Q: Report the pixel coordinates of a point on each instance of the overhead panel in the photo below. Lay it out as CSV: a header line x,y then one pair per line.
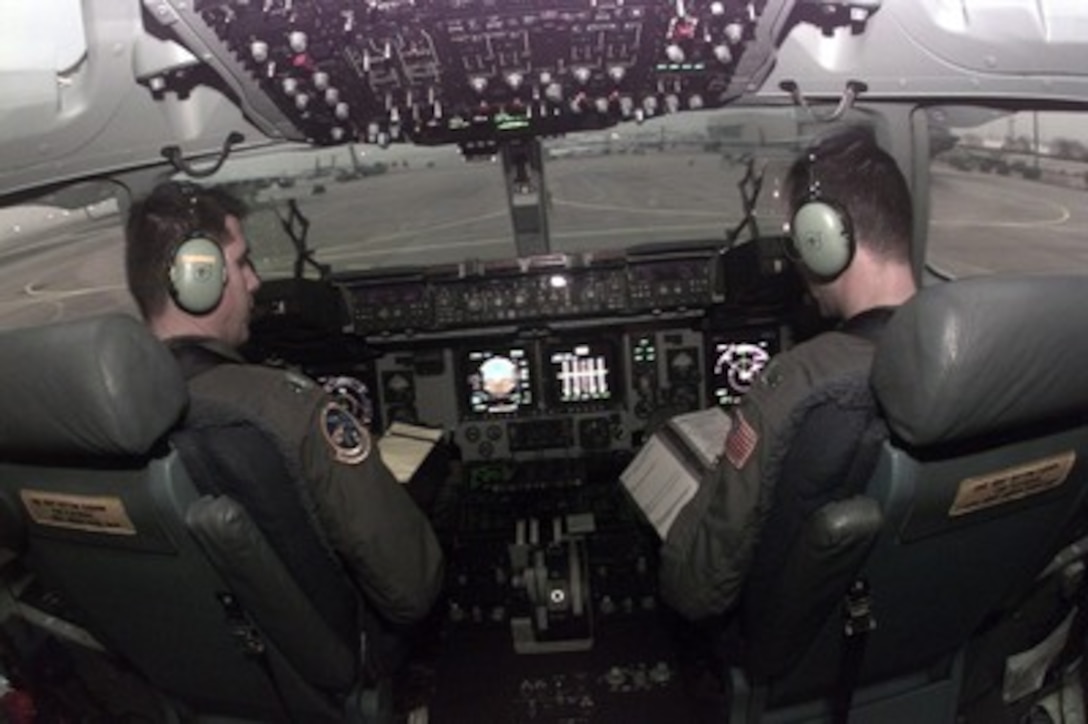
x,y
471,71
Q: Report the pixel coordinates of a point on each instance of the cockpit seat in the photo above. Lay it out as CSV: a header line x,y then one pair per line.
x,y
979,485
97,504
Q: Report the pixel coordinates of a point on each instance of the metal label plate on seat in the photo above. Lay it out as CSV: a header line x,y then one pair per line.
x,y
91,513
1005,486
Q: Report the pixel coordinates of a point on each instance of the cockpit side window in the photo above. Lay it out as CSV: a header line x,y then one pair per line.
x,y
1008,191
61,262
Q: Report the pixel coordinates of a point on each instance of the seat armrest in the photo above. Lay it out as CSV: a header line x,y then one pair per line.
x,y
823,562
270,594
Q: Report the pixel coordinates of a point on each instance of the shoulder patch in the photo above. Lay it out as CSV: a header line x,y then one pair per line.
x,y
741,441
347,438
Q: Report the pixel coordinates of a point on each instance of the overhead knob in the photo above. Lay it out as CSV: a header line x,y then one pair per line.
x,y
298,41
259,50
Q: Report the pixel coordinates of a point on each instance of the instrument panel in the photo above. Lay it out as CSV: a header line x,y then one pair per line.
x,y
580,392
551,356
545,289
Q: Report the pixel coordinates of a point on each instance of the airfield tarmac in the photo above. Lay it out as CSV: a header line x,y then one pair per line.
x,y
979,223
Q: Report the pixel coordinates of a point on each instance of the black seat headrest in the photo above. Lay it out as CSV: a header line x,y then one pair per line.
x,y
984,356
99,386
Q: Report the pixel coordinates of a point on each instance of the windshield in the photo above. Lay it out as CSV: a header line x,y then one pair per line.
x,y
672,180
1005,192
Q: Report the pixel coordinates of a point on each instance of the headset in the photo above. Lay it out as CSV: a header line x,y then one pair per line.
x,y
821,233
197,272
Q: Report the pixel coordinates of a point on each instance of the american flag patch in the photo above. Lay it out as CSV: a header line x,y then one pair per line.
x,y
741,441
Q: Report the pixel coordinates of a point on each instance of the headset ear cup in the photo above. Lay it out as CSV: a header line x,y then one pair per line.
x,y
823,239
198,273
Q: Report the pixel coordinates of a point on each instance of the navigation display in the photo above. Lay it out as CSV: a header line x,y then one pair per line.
x,y
736,359
581,372
499,380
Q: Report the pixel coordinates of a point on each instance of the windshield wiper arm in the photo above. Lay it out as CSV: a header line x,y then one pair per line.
x,y
297,228
750,187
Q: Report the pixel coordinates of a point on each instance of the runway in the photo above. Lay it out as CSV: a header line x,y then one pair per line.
x,y
72,272
982,223
448,212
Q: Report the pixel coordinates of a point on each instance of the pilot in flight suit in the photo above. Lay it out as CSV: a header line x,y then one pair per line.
x,y
807,432
817,392
300,463
383,539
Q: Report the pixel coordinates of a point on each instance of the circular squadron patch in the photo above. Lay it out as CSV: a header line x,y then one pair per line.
x,y
349,440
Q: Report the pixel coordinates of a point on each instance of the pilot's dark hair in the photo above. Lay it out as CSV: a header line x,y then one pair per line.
x,y
855,173
156,225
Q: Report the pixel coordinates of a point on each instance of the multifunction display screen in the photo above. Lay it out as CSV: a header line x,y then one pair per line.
x,y
498,380
581,372
736,359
